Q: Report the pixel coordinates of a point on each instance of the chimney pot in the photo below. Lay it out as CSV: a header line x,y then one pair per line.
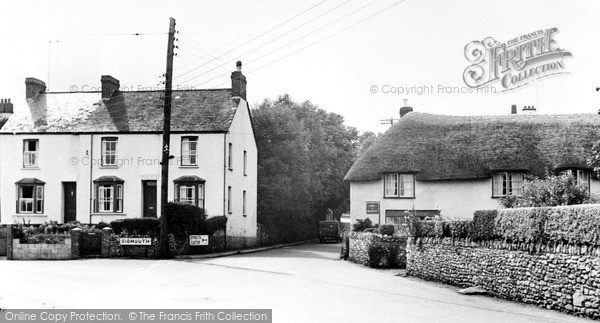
x,y
238,82
405,109
6,106
33,87
513,109
109,85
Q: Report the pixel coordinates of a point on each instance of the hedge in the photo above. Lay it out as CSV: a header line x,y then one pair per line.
x,y
573,224
482,227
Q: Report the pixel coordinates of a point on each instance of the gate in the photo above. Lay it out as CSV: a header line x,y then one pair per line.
x,y
92,245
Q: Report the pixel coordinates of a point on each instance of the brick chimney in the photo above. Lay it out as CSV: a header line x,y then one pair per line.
x,y
109,85
405,109
238,83
513,109
6,106
33,87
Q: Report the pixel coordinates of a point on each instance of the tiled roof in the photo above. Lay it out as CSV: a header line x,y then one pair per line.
x,y
81,112
440,147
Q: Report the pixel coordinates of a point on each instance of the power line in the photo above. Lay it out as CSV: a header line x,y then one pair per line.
x,y
288,20
314,31
285,34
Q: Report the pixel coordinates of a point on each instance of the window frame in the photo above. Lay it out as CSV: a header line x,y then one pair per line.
x,y
399,185
199,192
36,207
508,179
29,153
230,157
116,200
104,153
577,174
189,140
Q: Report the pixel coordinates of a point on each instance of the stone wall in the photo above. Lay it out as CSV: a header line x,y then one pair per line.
x,y
41,251
361,242
559,277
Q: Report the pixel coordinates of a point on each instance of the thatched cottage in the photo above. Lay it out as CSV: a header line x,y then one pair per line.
x,y
431,164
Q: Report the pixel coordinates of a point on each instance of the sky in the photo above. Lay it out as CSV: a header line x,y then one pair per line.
x,y
359,59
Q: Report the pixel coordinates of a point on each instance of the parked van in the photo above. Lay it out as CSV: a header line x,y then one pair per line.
x,y
330,231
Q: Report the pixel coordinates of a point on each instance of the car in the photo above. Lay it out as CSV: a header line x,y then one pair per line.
x,y
330,231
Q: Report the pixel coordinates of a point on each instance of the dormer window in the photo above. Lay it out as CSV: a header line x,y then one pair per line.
x,y
507,183
399,185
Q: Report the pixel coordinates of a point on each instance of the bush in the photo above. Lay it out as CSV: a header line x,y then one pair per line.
x,y
459,228
375,253
483,225
102,225
551,191
215,224
522,225
361,225
423,229
142,226
117,226
387,229
184,219
576,225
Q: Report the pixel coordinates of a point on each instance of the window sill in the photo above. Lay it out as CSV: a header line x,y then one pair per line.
x,y
108,166
189,166
108,214
400,197
231,169
30,168
39,215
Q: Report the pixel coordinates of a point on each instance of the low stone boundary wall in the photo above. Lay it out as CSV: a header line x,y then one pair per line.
x,y
41,251
362,242
559,277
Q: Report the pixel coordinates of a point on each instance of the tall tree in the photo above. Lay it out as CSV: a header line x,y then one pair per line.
x,y
304,153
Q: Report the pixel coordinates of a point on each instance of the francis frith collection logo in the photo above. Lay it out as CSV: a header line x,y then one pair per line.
x,y
514,63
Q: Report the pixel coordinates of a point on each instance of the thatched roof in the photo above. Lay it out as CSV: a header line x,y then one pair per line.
x,y
442,147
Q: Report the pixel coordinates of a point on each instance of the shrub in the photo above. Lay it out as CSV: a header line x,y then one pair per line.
x,y
423,229
142,226
459,228
102,225
576,225
117,226
554,190
483,225
216,223
375,253
522,225
387,229
184,219
361,225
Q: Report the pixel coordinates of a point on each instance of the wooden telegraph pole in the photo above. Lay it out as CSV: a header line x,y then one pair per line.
x,y
166,154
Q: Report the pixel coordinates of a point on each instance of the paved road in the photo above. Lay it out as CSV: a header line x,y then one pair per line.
x,y
306,283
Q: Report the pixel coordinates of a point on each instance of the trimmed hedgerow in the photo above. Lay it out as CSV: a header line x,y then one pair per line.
x,y
216,223
573,224
142,226
521,225
483,225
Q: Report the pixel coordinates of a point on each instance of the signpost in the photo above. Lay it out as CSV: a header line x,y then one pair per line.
x,y
135,241
199,240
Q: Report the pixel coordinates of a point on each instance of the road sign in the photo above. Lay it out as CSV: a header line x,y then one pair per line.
x,y
135,241
199,240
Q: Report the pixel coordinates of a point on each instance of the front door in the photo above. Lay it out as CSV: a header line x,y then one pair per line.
x,y
70,202
149,193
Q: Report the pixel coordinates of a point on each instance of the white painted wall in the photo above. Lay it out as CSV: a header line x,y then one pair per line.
x,y
455,199
241,136
71,158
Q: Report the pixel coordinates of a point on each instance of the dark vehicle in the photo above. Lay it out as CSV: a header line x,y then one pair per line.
x,y
330,231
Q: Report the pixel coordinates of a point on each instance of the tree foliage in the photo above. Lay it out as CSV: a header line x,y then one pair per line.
x,y
554,190
304,153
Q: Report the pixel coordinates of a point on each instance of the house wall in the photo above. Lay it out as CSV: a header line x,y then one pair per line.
x,y
455,199
70,158
241,135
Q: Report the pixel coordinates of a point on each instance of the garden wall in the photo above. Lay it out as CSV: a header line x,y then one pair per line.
x,y
552,275
41,251
376,250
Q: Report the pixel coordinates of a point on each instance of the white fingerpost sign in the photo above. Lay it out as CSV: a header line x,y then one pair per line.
x,y
199,240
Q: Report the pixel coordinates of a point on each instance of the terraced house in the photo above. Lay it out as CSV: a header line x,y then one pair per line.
x,y
95,156
431,164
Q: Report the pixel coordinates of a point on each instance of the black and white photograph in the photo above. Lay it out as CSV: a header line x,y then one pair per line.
x,y
299,161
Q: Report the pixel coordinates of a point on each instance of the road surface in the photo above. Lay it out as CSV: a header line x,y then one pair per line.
x,y
306,283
